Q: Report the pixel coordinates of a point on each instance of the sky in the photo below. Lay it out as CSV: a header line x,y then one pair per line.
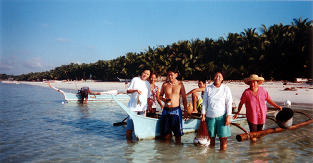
x,y
39,35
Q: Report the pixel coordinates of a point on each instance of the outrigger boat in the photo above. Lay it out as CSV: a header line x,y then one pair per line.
x,y
149,128
104,96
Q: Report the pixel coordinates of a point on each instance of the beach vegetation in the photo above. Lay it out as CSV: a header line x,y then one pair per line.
x,y
276,52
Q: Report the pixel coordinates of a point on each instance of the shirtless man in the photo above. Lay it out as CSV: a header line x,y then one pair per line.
x,y
197,98
171,120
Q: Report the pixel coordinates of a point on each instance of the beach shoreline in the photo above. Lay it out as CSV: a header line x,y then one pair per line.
x,y
279,91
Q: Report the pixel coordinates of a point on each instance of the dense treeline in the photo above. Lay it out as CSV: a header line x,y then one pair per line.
x,y
5,76
280,52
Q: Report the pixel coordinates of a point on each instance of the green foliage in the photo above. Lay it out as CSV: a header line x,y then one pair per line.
x,y
5,76
280,52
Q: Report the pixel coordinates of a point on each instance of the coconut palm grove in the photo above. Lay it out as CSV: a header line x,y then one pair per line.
x,y
277,52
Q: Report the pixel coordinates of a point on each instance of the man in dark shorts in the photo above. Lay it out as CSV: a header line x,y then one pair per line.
x,y
171,120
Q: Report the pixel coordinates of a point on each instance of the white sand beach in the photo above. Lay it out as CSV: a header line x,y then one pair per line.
x,y
300,93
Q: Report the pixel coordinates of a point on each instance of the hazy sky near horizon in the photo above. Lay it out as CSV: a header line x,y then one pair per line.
x,y
39,35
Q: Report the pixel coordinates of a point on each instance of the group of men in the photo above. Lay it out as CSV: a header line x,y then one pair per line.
x,y
172,91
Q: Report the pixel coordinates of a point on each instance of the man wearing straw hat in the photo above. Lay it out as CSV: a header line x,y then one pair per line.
x,y
254,99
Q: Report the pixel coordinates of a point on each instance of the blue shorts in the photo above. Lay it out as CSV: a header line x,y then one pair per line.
x,y
130,123
216,126
171,121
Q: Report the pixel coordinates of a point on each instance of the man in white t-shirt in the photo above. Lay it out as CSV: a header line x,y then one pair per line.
x,y
139,88
216,110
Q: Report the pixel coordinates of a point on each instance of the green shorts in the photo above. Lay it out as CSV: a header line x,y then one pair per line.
x,y
216,126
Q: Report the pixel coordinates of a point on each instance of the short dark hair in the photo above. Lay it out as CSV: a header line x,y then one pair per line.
x,y
172,69
153,73
144,69
219,72
202,80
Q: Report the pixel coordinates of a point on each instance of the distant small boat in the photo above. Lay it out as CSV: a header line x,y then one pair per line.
x,y
105,96
149,128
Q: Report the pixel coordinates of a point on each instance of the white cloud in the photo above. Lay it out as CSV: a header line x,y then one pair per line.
x,y
34,63
16,66
63,40
7,64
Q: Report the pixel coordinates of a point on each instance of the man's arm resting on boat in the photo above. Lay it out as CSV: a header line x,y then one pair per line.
x,y
94,93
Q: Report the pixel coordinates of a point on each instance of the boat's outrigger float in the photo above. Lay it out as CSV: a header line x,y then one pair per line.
x,y
257,134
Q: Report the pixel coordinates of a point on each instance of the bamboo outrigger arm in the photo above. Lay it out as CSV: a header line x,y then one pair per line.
x,y
256,134
55,88
237,125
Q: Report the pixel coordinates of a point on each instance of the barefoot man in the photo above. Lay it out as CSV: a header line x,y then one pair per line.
x,y
216,110
171,120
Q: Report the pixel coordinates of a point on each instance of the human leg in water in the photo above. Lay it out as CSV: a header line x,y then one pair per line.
x,y
223,144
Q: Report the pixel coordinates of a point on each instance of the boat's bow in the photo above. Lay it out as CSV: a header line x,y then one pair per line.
x,y
149,128
125,108
58,90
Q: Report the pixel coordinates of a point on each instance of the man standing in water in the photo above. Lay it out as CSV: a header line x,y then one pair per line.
x,y
171,120
216,110
255,98
139,88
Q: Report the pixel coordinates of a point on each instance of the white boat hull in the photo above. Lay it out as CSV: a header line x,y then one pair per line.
x,y
149,128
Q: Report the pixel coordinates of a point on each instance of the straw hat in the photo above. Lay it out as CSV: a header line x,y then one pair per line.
x,y
254,77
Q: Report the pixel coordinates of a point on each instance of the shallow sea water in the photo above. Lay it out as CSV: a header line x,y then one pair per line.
x,y
36,127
